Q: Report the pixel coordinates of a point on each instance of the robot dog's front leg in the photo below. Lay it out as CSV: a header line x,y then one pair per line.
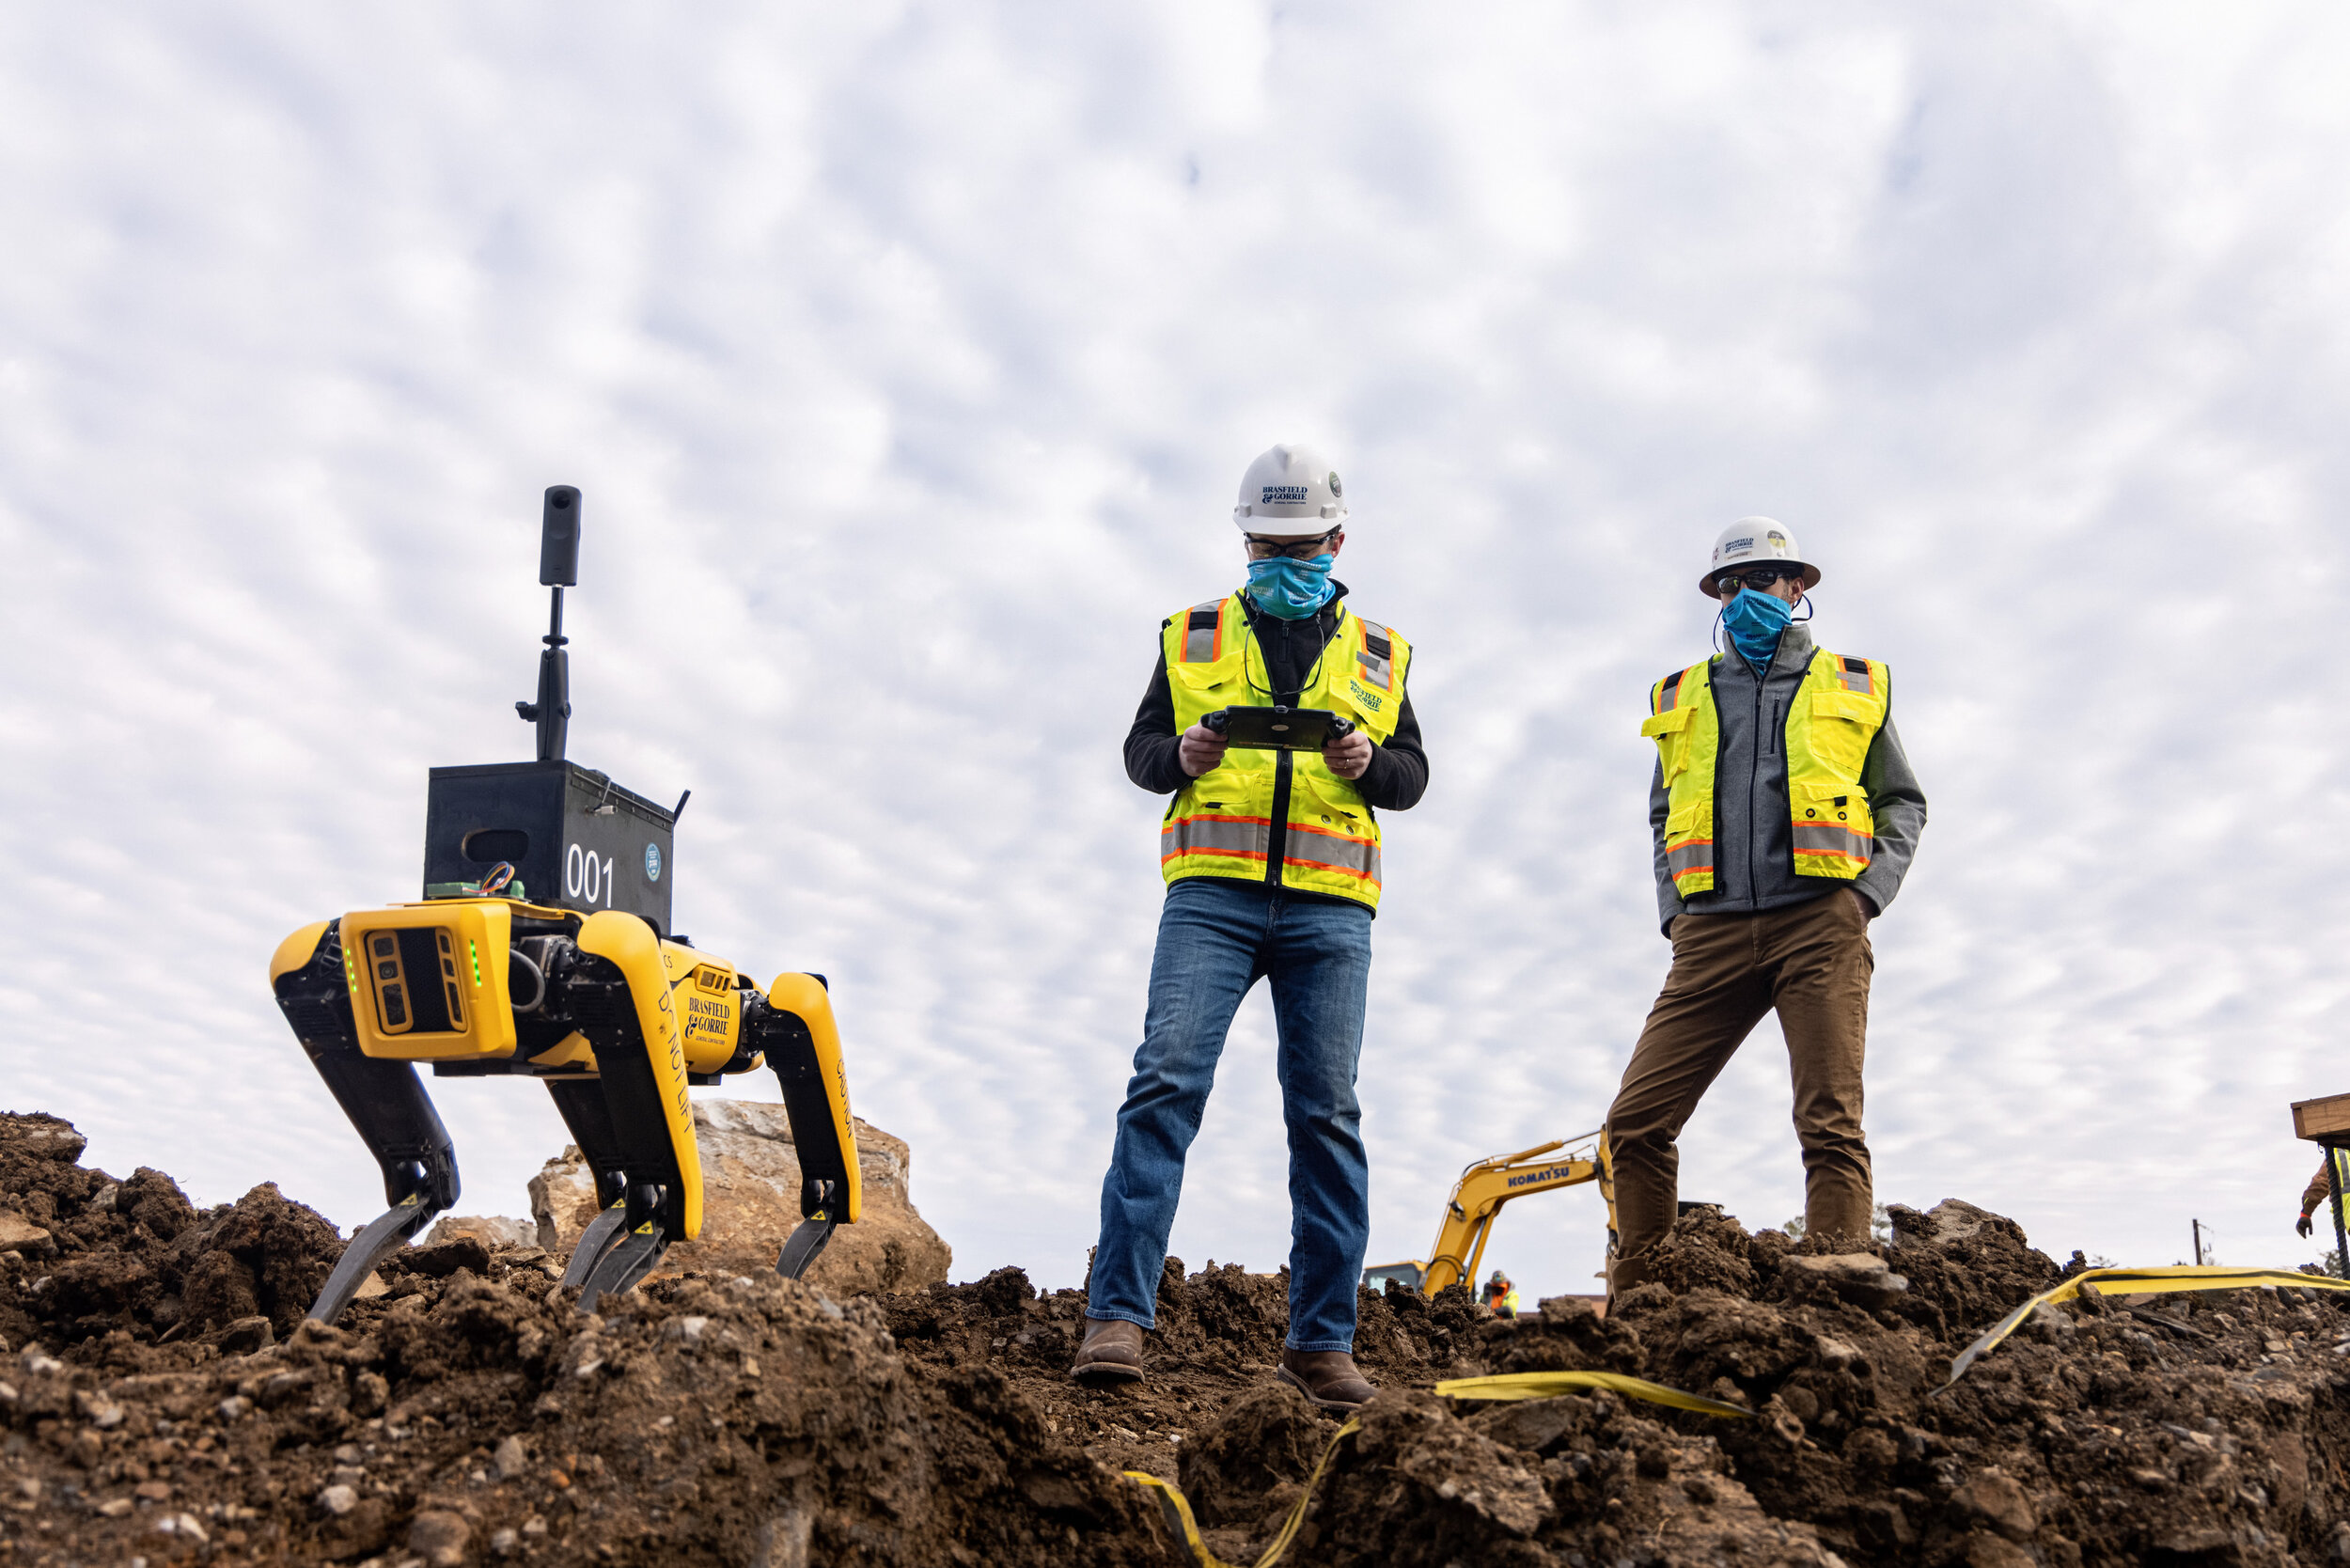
x,y
619,991
383,1100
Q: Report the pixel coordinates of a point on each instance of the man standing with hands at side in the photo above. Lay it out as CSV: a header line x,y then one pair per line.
x,y
1785,816
1272,864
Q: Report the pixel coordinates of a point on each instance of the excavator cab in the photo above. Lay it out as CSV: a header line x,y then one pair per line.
x,y
582,986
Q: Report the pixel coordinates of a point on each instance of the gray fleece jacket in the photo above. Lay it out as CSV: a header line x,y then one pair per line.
x,y
1754,841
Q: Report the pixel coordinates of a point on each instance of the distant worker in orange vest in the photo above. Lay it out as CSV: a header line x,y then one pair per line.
x,y
1784,815
1501,1295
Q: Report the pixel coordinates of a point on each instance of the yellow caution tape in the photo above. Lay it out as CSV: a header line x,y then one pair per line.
x,y
1176,1508
1545,1384
2140,1281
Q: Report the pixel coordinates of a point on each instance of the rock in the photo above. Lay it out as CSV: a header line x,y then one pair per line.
x,y
751,1202
337,1499
1992,1497
1861,1277
439,1537
248,1335
494,1231
17,1233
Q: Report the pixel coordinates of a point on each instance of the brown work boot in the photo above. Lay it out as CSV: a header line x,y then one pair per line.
x,y
1110,1354
1624,1274
1327,1376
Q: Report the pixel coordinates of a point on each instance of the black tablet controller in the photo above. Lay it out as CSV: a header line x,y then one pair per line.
x,y
1279,728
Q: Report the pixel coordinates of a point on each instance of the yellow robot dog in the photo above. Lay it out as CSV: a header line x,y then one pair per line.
x,y
585,987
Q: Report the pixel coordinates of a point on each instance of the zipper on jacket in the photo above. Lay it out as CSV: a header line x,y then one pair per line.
x,y
1276,841
1277,845
1754,779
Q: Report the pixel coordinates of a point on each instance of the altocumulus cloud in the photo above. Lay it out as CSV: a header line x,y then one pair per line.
x,y
907,355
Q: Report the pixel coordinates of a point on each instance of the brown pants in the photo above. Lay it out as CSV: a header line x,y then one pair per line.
x,y
1811,962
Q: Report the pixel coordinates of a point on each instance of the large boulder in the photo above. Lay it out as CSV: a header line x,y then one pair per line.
x,y
751,1202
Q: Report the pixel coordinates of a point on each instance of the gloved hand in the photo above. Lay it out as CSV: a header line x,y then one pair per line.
x,y
2302,1225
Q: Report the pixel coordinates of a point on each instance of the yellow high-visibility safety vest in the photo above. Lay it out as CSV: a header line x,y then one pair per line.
x,y
1837,711
1221,823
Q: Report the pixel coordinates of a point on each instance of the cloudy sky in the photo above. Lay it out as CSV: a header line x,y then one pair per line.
x,y
908,355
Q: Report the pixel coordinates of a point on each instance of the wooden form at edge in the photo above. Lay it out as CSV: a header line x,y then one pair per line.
x,y
2322,1120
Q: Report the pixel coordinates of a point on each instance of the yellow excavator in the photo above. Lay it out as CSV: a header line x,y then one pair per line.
x,y
542,948
1476,1199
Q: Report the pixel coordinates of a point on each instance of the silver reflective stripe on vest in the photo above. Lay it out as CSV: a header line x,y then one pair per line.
x,y
1354,855
1694,855
1199,641
1835,839
1378,671
1216,836
1856,680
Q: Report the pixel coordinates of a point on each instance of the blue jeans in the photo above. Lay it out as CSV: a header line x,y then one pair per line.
x,y
1217,938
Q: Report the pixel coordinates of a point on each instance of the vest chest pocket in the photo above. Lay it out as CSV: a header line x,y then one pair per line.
x,y
1669,729
1842,725
1216,685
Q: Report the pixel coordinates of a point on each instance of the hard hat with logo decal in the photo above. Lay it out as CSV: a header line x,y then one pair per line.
x,y
1289,492
1756,542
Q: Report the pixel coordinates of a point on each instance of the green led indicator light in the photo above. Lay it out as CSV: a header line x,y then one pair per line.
x,y
474,949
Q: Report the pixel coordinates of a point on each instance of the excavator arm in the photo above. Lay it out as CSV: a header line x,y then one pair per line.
x,y
1476,1198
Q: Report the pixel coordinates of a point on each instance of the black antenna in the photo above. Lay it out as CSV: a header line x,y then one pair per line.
x,y
559,568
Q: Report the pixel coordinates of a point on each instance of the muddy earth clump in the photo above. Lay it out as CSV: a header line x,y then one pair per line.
x,y
161,1399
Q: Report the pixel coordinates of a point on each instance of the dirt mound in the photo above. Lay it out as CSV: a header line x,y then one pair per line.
x,y
161,1399
165,1400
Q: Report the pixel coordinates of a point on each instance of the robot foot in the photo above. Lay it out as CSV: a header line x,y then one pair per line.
x,y
630,1259
386,1233
594,1243
802,1247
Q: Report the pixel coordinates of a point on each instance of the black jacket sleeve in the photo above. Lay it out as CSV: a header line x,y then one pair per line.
x,y
1397,777
1151,762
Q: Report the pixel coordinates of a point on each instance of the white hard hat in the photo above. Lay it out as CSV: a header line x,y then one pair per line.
x,y
1289,492
1754,542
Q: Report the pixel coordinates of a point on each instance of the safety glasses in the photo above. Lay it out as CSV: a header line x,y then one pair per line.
x,y
1758,578
1297,549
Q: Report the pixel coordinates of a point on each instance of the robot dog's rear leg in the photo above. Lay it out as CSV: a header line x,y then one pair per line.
x,y
385,1102
589,1120
793,1025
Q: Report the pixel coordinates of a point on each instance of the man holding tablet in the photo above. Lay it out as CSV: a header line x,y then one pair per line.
x,y
1278,721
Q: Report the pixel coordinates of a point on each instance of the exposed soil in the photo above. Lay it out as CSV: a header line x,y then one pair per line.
x,y
161,1400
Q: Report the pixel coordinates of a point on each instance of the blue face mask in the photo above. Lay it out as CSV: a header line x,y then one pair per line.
x,y
1290,588
1754,621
